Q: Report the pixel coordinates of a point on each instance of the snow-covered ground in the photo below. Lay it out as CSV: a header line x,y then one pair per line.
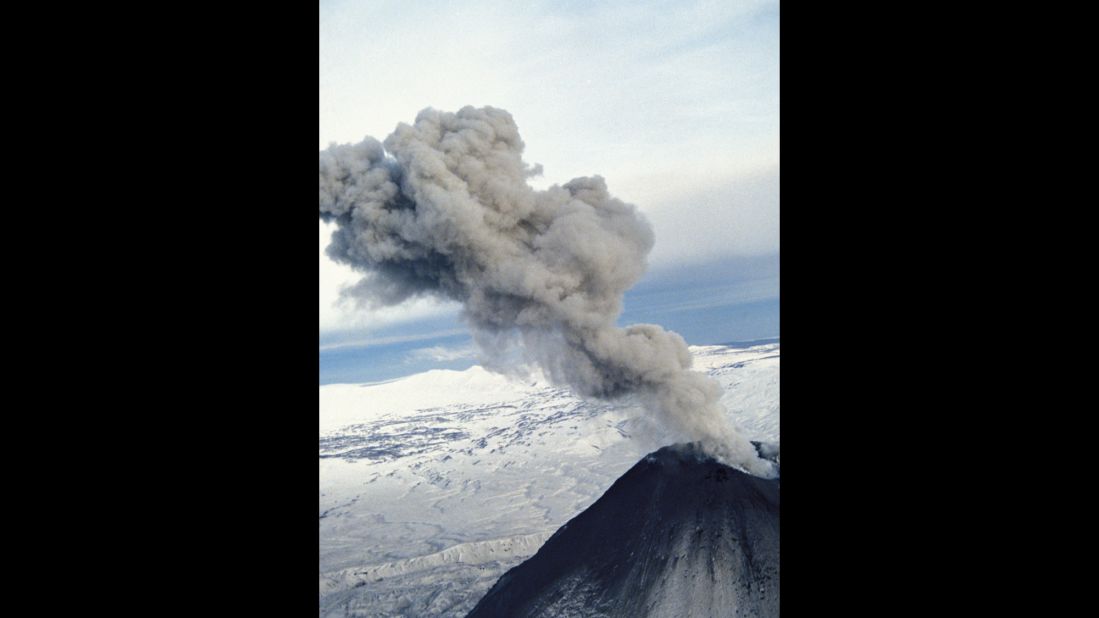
x,y
432,486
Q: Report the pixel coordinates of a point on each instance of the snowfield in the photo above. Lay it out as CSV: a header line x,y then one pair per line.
x,y
432,486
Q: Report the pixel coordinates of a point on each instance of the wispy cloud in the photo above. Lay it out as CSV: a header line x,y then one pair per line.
x,y
389,340
441,354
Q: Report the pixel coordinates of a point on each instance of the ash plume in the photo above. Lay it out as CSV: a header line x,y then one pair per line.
x,y
443,208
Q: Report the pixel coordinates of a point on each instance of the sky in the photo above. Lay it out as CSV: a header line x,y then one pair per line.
x,y
676,104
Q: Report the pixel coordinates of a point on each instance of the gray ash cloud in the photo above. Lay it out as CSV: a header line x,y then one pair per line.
x,y
443,208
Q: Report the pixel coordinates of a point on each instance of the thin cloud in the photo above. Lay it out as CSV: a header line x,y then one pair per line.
x,y
441,354
377,341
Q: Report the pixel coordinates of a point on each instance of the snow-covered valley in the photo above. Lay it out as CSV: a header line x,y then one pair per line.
x,y
432,486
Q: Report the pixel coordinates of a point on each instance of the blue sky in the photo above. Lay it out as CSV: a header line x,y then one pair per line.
x,y
676,104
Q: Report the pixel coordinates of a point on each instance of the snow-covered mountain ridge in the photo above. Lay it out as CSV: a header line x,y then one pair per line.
x,y
433,485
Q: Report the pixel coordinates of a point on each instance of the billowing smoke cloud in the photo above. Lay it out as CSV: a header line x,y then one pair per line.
x,y
444,209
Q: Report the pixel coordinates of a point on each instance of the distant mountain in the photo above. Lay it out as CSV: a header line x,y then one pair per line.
x,y
679,534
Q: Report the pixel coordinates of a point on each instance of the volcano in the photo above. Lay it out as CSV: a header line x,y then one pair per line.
x,y
679,534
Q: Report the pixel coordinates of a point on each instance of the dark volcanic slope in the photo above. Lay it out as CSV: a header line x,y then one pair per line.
x,y
678,535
